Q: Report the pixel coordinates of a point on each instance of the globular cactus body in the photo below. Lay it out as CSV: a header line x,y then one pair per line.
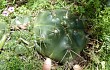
x,y
59,35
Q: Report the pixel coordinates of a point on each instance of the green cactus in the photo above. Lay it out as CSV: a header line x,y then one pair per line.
x,y
59,35
2,28
108,3
3,36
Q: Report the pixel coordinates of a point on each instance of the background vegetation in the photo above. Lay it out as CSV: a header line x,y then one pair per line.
x,y
19,52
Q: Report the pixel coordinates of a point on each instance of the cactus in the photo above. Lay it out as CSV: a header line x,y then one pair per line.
x,y
108,3
59,35
3,36
3,28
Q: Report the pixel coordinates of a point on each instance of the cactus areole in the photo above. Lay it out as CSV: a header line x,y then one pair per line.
x,y
59,35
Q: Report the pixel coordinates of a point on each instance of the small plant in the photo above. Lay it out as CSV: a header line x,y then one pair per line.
x,y
3,4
